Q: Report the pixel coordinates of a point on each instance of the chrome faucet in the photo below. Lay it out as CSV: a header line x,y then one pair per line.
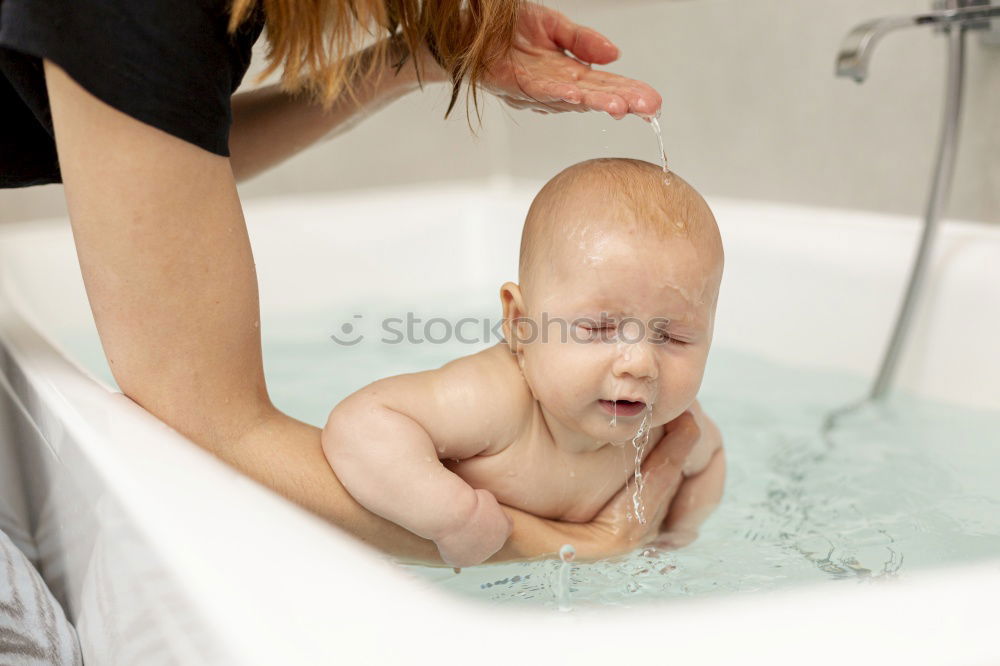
x,y
954,18
852,61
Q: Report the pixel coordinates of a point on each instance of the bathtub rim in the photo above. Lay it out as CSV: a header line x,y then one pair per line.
x,y
68,391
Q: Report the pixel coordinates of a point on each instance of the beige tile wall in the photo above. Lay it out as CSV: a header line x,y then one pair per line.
x,y
752,109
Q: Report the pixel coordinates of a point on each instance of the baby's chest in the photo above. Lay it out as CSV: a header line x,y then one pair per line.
x,y
547,482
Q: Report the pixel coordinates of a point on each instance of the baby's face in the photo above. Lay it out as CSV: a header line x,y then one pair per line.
x,y
629,318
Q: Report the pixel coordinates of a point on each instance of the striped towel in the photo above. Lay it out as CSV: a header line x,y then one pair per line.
x,y
33,628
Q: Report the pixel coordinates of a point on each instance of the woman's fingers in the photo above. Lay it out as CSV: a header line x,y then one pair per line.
x,y
549,68
610,103
556,97
638,97
615,530
539,107
641,102
679,438
585,43
548,96
662,469
550,91
661,477
695,500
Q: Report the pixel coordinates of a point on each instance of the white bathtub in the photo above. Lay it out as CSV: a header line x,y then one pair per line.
x,y
163,555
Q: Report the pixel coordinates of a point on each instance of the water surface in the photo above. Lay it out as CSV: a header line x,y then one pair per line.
x,y
893,492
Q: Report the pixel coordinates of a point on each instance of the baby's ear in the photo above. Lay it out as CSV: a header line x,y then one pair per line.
x,y
513,309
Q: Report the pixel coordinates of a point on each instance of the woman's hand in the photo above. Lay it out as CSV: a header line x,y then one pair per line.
x,y
615,530
612,532
701,490
539,75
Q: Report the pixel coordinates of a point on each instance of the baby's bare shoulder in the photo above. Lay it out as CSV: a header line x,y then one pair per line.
x,y
474,405
490,383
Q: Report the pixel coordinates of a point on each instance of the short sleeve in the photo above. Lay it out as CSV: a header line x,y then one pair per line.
x,y
168,63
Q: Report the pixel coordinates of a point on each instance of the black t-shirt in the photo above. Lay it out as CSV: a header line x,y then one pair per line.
x,y
168,63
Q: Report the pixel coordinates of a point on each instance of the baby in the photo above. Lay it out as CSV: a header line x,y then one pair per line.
x,y
606,339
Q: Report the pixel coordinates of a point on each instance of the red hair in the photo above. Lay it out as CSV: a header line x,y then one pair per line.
x,y
312,39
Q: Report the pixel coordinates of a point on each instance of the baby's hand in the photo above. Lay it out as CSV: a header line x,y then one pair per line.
x,y
482,534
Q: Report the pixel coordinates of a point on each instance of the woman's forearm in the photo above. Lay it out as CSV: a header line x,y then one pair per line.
x,y
169,272
534,538
270,125
286,455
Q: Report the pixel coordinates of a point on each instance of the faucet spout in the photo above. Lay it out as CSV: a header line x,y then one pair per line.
x,y
856,51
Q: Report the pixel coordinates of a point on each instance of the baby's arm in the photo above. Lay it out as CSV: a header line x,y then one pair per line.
x,y
701,490
384,443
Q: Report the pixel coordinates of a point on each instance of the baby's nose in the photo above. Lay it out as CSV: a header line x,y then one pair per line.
x,y
636,359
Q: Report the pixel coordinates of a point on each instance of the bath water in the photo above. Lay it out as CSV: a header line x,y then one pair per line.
x,y
892,492
654,122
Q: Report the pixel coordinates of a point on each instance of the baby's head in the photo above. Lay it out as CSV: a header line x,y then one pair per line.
x,y
619,278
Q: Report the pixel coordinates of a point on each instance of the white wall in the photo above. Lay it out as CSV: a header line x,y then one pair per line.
x,y
751,109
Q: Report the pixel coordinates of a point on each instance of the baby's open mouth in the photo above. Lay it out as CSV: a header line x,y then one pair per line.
x,y
623,407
